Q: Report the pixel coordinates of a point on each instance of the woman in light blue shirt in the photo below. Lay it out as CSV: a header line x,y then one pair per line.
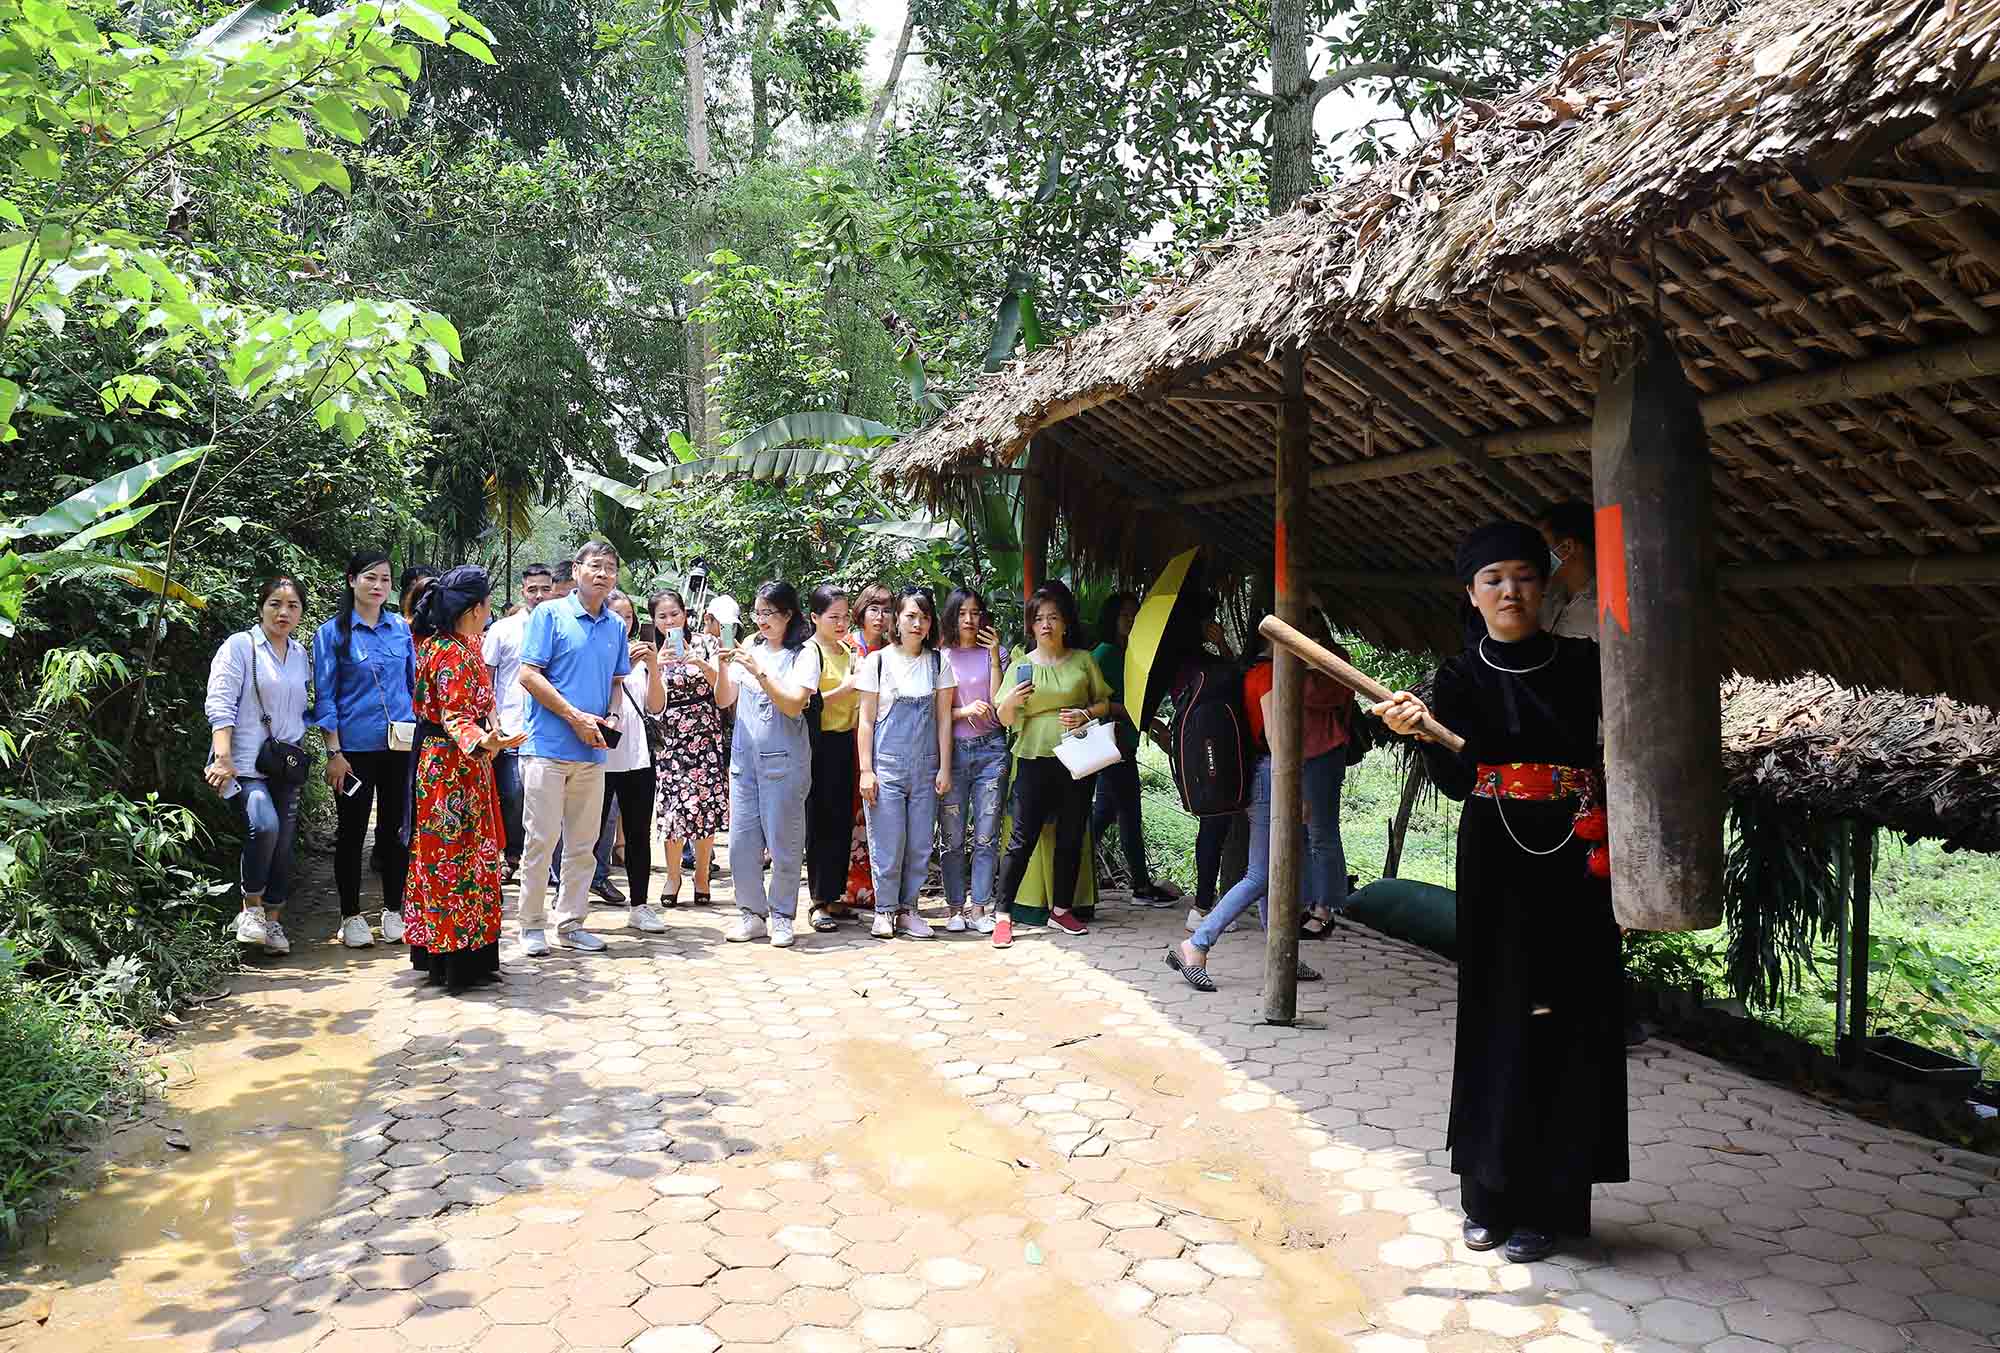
x,y
364,668
256,683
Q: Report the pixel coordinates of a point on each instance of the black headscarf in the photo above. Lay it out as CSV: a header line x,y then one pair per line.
x,y
450,597
1498,540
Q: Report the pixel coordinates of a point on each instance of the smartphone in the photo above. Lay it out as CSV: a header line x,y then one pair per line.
x,y
350,785
611,734
649,633
677,643
1025,672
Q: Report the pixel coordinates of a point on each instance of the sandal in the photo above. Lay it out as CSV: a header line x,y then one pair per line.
x,y
701,899
1308,973
672,897
1326,925
822,920
1196,976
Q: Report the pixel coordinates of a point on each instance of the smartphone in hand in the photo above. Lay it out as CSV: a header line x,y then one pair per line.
x,y
350,785
677,643
649,633
1026,673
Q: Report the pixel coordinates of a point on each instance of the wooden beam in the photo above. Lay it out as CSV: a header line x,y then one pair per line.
x,y
1288,685
1865,379
1038,514
1857,945
1933,570
1225,397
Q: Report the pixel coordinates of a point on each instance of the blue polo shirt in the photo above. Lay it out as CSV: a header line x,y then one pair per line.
x,y
358,696
581,655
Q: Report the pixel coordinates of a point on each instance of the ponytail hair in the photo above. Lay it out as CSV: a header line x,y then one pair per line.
x,y
358,563
782,596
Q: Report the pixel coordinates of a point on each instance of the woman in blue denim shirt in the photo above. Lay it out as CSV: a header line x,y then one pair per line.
x,y
258,676
364,668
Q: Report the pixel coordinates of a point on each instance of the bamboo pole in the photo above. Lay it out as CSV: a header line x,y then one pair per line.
x,y
1287,730
1857,945
1289,640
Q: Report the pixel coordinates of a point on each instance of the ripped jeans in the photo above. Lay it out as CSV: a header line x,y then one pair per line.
x,y
978,765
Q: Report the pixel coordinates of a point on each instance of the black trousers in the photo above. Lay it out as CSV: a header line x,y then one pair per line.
x,y
830,815
1118,797
1556,1208
385,789
1209,840
629,793
1045,793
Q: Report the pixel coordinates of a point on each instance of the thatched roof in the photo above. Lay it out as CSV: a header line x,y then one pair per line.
x,y
1805,189
1923,766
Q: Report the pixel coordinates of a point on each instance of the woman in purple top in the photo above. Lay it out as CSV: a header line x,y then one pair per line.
x,y
978,761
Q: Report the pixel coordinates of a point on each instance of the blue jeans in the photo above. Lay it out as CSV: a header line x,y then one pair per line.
x,y
978,765
902,825
270,820
507,777
1326,858
1256,881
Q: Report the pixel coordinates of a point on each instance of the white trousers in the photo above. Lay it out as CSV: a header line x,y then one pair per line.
x,y
560,800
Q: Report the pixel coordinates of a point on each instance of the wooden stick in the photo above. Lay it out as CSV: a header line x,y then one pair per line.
x,y
1356,680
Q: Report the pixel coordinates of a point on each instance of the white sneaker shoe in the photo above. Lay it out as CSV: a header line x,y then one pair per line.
x,y
274,937
748,927
781,931
392,926
355,934
251,928
534,943
916,927
647,919
956,925
581,940
983,923
884,928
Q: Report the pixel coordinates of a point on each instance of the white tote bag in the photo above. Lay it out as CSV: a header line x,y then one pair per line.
x,y
1088,749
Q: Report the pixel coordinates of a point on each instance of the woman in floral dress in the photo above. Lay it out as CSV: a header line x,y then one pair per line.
x,y
872,607
452,904
694,778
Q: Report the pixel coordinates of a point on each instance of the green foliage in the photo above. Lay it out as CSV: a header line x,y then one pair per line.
x,y
1784,884
1935,998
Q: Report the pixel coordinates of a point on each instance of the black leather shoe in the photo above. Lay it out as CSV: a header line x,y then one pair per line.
x,y
1528,1247
1479,1237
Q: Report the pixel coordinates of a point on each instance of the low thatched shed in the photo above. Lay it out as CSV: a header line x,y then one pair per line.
x,y
1807,195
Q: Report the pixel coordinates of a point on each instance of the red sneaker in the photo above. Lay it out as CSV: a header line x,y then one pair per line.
x,y
1067,920
1003,933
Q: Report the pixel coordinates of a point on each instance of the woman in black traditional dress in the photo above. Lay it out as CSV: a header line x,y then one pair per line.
x,y
1538,1081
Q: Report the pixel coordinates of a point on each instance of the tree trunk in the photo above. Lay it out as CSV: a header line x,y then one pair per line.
x,y
1288,167
760,79
880,112
1399,825
704,420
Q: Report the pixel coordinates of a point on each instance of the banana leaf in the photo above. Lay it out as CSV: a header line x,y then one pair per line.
x,y
115,494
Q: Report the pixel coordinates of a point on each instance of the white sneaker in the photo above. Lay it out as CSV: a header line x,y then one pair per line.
x,y
983,923
884,928
748,927
534,943
392,926
251,926
647,919
781,931
355,934
956,925
581,940
916,927
274,937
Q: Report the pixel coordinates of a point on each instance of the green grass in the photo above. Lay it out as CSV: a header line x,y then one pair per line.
x,y
1951,902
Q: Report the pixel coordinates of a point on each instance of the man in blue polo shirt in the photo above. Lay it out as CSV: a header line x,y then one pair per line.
x,y
572,657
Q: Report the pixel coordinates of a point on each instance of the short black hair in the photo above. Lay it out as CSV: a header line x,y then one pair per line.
x,y
1107,615
925,603
1065,603
534,570
824,596
1571,519
563,572
953,604
782,596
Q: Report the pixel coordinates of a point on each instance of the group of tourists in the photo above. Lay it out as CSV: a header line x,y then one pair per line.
x,y
851,736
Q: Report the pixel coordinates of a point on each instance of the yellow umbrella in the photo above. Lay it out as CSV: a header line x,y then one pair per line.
x,y
1163,626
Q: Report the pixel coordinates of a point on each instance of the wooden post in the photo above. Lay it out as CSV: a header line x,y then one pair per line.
x,y
1037,517
1857,945
1660,647
1287,735
1399,825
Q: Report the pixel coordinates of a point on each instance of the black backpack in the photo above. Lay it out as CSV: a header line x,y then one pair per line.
x,y
1208,738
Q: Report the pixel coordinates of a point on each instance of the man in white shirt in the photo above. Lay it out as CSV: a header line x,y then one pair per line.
x,y
502,650
1569,602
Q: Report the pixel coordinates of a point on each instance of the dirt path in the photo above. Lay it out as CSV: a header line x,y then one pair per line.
x,y
681,1146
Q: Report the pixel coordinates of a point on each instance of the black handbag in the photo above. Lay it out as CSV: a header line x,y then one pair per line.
x,y
278,761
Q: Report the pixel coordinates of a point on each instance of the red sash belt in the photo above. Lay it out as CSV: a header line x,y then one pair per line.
x,y
1533,781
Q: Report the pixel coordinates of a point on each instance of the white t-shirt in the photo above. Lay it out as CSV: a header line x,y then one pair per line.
x,y
502,651
892,674
631,753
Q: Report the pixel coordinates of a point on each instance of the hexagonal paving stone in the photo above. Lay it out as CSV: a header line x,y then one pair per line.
x,y
608,1327
750,1324
1171,1277
1509,1320
817,1240
1680,1322
745,1252
886,1291
676,1339
676,1305
1228,1261
895,1329
1412,1252
1151,1242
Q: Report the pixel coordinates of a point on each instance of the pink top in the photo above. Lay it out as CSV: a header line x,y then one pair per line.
x,y
974,668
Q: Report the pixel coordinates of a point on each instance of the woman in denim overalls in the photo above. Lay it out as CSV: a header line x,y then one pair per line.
x,y
768,681
904,748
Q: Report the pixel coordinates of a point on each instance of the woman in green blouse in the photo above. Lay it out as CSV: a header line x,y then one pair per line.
x,y
1054,688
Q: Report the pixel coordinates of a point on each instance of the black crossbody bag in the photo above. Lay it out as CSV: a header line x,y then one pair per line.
x,y
278,761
